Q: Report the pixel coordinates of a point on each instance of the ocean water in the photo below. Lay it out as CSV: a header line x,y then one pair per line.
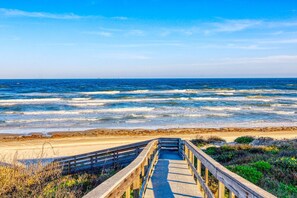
x,y
67,105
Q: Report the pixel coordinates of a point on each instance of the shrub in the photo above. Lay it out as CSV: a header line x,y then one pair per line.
x,y
244,139
288,188
211,150
271,149
201,141
228,148
287,163
225,157
262,165
213,139
247,172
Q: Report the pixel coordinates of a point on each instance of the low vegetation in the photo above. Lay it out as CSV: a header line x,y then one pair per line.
x,y
36,181
244,139
270,164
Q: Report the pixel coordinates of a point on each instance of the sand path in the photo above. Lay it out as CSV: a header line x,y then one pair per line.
x,y
66,146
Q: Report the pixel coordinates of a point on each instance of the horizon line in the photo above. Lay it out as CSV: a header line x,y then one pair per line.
x,y
131,78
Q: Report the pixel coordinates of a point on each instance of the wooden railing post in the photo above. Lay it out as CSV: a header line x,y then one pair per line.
x,y
221,190
69,168
136,186
198,167
231,194
128,192
206,176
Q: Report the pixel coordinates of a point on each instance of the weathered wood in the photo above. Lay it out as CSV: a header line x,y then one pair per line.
x,y
136,186
206,176
198,168
105,151
205,188
221,190
128,192
238,185
231,194
127,176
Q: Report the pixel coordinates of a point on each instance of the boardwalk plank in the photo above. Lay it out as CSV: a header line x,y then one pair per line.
x,y
171,178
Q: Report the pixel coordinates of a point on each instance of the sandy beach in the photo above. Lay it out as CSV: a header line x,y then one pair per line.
x,y
72,143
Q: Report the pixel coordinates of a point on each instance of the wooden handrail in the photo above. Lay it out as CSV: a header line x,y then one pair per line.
x,y
237,185
100,159
132,175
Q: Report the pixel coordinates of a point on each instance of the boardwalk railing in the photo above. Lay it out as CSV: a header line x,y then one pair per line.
x,y
233,183
131,177
136,175
108,158
142,157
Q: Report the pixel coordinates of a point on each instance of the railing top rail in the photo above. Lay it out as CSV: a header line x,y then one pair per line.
x,y
107,187
232,181
104,151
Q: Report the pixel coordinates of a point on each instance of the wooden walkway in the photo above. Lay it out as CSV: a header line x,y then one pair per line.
x,y
163,167
171,178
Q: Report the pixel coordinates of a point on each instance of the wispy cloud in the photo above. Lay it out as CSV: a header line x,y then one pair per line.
x,y
21,13
233,25
99,33
47,15
120,18
277,59
123,56
235,46
279,41
108,32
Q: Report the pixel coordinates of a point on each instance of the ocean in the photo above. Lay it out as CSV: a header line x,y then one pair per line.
x,y
69,105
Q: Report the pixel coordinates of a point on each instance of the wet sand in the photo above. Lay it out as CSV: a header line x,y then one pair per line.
x,y
72,143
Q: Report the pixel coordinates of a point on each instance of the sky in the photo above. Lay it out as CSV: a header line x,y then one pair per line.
x,y
148,39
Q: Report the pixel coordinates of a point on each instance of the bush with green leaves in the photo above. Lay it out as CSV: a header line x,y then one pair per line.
x,y
262,165
247,172
211,150
244,139
272,166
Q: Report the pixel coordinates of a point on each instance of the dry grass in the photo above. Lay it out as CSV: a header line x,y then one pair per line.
x,y
40,180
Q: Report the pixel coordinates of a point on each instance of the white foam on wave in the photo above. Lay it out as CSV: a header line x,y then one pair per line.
x,y
100,92
192,115
80,99
87,104
284,112
120,110
137,91
38,94
135,121
225,93
219,115
204,98
30,101
222,108
51,120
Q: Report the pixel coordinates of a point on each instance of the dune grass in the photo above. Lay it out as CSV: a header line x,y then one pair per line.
x,y
36,179
272,166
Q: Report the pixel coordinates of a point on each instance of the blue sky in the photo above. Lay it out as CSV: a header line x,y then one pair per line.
x,y
148,39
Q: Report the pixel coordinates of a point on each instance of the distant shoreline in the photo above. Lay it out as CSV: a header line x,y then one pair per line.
x,y
142,132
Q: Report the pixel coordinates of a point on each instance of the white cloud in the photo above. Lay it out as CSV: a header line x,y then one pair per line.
x,y
47,15
100,33
253,60
235,46
232,25
124,56
280,41
107,32
120,18
20,13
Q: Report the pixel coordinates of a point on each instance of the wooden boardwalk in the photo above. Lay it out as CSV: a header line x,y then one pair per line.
x,y
171,178
163,167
